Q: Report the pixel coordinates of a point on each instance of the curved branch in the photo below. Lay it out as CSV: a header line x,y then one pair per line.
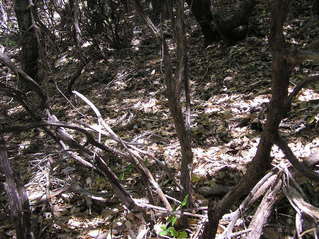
x,y
4,59
133,155
89,137
20,97
66,138
299,87
282,144
101,168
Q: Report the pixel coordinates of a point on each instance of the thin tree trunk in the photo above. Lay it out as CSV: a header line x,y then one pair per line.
x,y
173,95
74,5
173,92
183,127
29,40
17,197
261,163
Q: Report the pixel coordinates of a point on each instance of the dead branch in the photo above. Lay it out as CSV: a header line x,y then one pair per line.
x,y
134,155
69,141
260,188
63,138
261,162
302,168
264,210
304,210
299,87
4,59
279,180
18,200
101,168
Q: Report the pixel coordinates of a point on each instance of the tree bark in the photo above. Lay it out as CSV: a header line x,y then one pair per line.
x,y
182,127
17,197
264,211
261,163
74,6
29,40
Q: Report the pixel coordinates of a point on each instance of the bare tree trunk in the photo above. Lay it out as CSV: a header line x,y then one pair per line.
x,y
29,40
183,128
74,6
173,92
261,163
17,196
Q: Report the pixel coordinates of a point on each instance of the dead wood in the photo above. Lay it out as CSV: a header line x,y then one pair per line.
x,y
302,168
264,210
258,191
18,200
281,181
66,140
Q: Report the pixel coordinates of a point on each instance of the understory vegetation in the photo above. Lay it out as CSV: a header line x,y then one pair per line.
x,y
159,119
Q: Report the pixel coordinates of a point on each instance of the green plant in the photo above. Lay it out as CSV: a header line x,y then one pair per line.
x,y
169,229
172,232
126,172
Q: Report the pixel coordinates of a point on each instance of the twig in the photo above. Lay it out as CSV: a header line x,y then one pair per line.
x,y
299,87
165,212
282,144
67,99
133,154
259,189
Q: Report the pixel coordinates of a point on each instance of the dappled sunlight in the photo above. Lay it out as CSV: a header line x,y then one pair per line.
x,y
109,154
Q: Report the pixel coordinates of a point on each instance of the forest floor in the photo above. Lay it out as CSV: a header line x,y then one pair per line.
x,y
230,89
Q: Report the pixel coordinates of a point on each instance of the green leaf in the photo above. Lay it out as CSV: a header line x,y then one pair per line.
x,y
172,220
311,120
164,233
182,234
122,176
164,227
185,201
172,232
